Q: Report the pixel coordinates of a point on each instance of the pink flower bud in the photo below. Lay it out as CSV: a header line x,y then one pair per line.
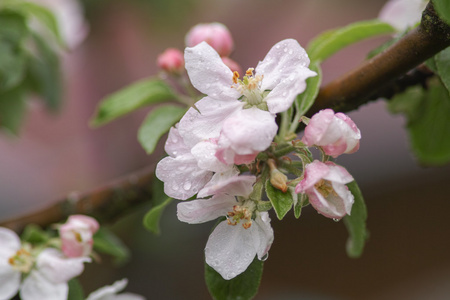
x,y
171,61
215,34
77,235
325,185
335,133
234,66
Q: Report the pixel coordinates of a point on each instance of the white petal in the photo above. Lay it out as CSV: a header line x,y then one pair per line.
x,y
208,73
52,264
205,154
126,296
109,292
249,130
9,243
402,14
9,280
263,234
37,287
181,176
234,186
284,93
337,174
285,57
204,210
347,197
175,145
230,250
216,182
198,126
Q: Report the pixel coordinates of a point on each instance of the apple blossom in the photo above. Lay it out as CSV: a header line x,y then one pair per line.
x,y
109,292
402,14
13,261
234,243
335,133
215,34
171,61
77,235
325,185
250,103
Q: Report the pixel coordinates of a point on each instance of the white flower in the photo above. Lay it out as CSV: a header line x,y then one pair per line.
x,y
402,14
109,292
48,274
251,103
233,244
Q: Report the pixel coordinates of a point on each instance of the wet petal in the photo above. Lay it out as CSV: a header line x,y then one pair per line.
x,y
204,210
37,287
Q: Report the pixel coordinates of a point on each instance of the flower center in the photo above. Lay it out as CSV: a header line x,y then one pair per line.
x,y
325,188
250,88
21,261
241,214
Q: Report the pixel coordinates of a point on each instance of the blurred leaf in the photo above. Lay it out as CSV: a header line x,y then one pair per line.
x,y
306,99
242,287
152,217
41,14
34,234
332,41
356,223
442,7
430,132
105,241
130,98
12,109
407,103
13,31
75,290
302,200
442,62
157,123
281,202
44,74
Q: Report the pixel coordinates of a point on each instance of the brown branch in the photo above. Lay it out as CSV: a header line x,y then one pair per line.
x,y
364,83
104,203
378,77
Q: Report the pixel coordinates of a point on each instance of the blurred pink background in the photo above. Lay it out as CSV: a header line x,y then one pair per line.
x,y
407,254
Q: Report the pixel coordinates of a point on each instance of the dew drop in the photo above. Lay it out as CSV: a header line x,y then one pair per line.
x,y
232,274
290,52
285,49
336,220
277,46
175,187
187,185
284,94
174,152
265,257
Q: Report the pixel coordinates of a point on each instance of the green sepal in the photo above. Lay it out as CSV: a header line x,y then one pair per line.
x,y
157,123
242,287
105,241
75,290
281,202
332,41
34,234
139,94
152,217
356,223
301,201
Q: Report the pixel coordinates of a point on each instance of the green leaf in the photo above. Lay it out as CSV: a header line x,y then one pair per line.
x,y
130,98
151,219
306,99
42,14
409,103
242,287
356,223
44,74
12,109
281,202
75,290
34,234
442,62
105,241
13,31
442,7
332,41
157,123
429,133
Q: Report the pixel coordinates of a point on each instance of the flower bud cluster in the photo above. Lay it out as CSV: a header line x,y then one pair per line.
x,y
47,269
222,152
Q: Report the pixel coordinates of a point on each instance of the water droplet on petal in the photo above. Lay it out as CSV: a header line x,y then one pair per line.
x,y
187,185
265,257
336,220
277,46
175,187
232,274
285,49
290,52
